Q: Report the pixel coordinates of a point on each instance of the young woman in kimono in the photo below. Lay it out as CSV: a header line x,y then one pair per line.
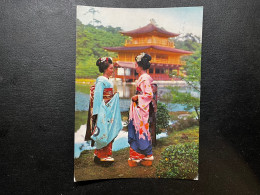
x,y
139,136
104,119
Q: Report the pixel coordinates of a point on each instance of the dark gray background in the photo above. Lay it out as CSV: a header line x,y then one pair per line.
x,y
37,72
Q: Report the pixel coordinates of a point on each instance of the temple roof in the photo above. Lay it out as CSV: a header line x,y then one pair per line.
x,y
161,48
150,28
125,64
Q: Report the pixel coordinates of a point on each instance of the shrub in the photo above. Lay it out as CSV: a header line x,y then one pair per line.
x,y
162,117
185,123
179,161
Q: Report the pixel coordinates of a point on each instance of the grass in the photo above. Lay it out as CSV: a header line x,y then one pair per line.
x,y
83,88
85,81
85,169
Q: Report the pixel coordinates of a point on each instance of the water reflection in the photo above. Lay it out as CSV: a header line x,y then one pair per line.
x,y
125,90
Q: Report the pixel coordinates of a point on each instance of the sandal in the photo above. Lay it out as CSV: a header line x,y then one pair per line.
x,y
147,161
107,159
149,158
133,162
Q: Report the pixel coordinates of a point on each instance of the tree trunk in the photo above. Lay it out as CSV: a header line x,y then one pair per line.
x,y
197,112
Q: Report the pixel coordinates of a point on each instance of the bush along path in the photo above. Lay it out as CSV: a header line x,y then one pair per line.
x,y
176,156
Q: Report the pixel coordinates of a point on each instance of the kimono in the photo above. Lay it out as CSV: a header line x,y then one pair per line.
x,y
104,120
139,136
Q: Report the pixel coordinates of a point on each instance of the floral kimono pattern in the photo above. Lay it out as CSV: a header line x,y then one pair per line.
x,y
139,136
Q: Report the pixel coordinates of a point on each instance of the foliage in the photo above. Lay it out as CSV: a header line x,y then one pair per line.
x,y
185,123
179,161
193,68
193,74
89,47
185,99
162,117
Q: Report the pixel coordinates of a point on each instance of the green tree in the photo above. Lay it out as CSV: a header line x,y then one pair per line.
x,y
90,44
192,78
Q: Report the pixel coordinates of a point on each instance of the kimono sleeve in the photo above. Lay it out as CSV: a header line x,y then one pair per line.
x,y
98,97
146,97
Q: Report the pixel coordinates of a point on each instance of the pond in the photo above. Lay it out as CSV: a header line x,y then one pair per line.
x,y
126,91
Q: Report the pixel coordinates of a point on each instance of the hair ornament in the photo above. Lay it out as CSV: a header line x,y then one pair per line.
x,y
103,59
139,57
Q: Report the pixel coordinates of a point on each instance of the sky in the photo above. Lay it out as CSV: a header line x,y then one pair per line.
x,y
180,20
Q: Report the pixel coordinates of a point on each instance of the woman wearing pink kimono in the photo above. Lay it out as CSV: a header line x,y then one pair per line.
x,y
139,136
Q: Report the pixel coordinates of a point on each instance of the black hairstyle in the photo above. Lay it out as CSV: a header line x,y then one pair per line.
x,y
103,63
143,60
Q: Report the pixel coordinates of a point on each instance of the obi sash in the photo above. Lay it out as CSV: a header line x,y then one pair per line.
x,y
152,104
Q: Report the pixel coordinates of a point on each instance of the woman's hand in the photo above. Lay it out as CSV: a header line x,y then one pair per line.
x,y
135,98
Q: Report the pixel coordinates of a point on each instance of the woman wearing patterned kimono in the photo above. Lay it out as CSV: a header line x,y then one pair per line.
x,y
139,136
104,119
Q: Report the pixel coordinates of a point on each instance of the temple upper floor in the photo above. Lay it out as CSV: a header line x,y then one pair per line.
x,y
149,40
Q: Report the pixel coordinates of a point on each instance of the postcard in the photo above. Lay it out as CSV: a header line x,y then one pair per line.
x,y
137,93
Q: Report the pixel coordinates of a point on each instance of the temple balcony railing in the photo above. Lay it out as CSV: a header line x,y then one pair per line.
x,y
160,61
154,60
130,43
166,61
156,77
159,77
